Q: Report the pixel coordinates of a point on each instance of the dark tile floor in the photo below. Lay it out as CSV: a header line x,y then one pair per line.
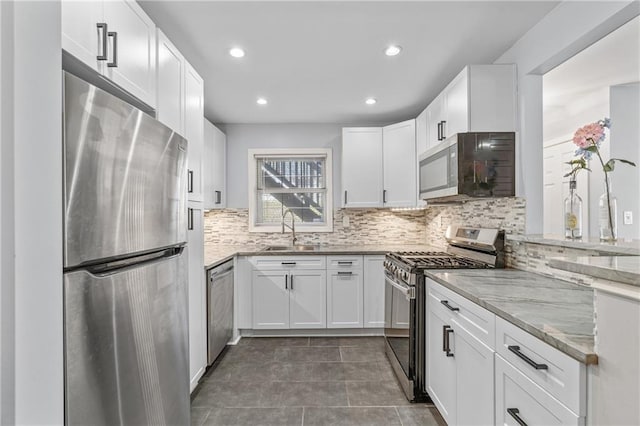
x,y
306,381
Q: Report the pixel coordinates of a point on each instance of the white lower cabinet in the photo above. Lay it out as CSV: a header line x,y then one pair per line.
x,y
520,401
441,368
197,294
270,299
373,290
474,379
284,299
308,299
345,298
459,365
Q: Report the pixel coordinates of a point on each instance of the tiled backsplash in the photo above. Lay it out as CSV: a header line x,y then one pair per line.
x,y
366,226
375,226
503,213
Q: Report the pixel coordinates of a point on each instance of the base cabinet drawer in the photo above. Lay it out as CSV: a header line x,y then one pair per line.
x,y
519,401
288,262
555,372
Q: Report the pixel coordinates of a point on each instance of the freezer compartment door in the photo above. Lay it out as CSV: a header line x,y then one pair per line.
x,y
126,345
124,178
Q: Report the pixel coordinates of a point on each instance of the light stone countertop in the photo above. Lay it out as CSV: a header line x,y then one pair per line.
x,y
558,312
215,254
620,247
623,269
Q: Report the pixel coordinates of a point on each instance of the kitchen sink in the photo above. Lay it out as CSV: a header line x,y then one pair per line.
x,y
297,247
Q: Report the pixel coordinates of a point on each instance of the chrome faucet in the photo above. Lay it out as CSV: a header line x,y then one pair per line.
x,y
292,227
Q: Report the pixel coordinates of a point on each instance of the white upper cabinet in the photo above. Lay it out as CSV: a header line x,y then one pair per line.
x,y
421,132
133,45
399,164
82,36
115,38
435,112
170,78
379,166
194,130
362,167
481,98
214,167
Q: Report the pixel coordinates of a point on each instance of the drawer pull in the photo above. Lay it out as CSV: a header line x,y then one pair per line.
x,y
345,273
514,412
345,262
516,350
451,308
288,263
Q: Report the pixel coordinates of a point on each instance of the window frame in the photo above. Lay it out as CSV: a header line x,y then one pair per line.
x,y
290,153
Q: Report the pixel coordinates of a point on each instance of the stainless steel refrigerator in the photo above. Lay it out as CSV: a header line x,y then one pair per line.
x,y
125,271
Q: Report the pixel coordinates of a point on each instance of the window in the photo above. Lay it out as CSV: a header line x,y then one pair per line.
x,y
290,179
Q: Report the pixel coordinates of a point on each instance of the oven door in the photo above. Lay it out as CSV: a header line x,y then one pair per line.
x,y
399,316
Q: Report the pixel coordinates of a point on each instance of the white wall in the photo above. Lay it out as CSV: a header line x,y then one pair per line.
x,y
31,222
625,143
565,31
241,137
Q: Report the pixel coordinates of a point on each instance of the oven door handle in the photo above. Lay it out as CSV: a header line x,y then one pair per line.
x,y
408,291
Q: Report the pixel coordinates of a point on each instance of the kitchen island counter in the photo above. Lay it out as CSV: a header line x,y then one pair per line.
x,y
555,311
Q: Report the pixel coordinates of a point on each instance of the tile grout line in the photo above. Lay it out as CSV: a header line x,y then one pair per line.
x,y
399,418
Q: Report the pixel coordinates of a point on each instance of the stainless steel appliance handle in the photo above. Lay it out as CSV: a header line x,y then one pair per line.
x,y
408,291
103,26
221,270
114,62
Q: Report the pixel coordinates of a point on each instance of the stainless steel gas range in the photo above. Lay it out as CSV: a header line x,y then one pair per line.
x,y
405,297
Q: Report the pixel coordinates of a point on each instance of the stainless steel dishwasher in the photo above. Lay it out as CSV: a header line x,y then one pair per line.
x,y
219,309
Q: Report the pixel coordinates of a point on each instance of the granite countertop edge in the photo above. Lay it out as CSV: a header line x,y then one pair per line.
x,y
589,358
629,249
223,254
609,273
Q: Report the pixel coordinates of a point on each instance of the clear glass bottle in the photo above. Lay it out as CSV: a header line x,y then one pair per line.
x,y
573,213
608,215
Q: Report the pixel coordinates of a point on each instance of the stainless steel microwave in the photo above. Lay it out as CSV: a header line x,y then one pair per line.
x,y
467,166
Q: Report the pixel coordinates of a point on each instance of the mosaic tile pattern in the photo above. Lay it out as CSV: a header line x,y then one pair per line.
x,y
504,213
366,226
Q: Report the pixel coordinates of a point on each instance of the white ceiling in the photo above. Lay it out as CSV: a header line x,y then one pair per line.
x,y
316,62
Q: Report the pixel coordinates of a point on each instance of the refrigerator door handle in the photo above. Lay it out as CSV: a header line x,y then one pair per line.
x,y
116,266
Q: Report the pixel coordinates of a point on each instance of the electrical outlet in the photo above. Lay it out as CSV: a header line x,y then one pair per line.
x,y
627,218
345,221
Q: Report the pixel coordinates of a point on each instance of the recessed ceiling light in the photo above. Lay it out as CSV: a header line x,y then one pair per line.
x,y
392,50
236,52
371,101
261,101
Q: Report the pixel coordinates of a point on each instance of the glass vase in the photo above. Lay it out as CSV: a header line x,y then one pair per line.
x,y
573,213
607,214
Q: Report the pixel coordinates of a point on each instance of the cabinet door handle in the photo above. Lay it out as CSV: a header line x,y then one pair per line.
x,y
446,342
442,127
451,308
345,273
516,350
291,282
218,197
384,196
514,412
345,197
440,131
103,26
287,263
286,281
189,181
114,62
190,219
